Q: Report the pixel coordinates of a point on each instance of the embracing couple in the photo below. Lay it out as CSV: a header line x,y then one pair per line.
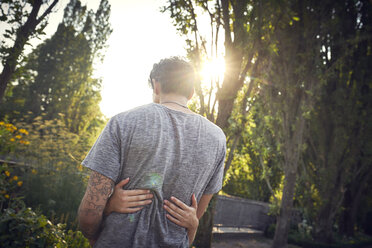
x,y
154,168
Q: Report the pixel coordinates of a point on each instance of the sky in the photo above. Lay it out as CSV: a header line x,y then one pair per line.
x,y
142,35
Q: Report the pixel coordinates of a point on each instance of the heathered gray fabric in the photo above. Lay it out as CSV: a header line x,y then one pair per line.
x,y
168,151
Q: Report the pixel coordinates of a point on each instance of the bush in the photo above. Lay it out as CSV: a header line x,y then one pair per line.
x,y
24,228
56,192
20,226
53,179
297,239
76,239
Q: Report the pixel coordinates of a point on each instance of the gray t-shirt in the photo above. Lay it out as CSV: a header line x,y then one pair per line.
x,y
167,151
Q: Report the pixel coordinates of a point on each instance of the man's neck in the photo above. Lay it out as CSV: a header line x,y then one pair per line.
x,y
175,102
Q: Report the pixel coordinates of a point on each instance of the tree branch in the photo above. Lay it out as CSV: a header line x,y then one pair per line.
x,y
47,11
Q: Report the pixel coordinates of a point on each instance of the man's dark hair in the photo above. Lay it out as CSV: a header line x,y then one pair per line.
x,y
175,75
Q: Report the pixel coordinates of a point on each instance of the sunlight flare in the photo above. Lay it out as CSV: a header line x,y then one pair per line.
x,y
213,70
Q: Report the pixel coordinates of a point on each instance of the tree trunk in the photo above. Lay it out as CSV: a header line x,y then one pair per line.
x,y
323,232
351,204
325,219
285,215
5,77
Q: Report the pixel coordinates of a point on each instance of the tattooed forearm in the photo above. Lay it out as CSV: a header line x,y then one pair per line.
x,y
92,206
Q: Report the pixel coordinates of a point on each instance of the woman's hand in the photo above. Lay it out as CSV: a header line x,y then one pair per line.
x,y
183,215
127,201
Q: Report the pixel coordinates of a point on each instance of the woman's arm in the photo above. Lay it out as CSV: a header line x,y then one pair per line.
x,y
187,216
127,201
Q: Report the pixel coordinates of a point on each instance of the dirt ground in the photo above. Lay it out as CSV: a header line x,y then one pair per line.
x,y
251,242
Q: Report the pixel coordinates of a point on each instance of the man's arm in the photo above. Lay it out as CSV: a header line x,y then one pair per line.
x,y
203,204
93,203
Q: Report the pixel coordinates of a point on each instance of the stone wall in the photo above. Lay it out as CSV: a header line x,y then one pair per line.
x,y
239,212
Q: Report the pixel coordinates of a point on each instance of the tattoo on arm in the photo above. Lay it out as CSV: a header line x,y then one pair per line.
x,y
94,201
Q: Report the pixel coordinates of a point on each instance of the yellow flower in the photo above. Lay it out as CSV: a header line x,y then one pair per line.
x,y
20,183
24,131
24,142
2,123
34,171
15,178
7,196
7,173
12,139
10,127
18,136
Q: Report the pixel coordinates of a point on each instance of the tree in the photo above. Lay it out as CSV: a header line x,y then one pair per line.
x,y
339,155
289,85
59,72
246,30
24,24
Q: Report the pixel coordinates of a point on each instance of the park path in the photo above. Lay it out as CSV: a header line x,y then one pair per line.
x,y
249,242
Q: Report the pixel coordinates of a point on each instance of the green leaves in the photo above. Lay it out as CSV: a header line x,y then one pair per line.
x,y
58,75
24,228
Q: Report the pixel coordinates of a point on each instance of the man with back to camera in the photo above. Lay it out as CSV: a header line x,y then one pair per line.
x,y
169,157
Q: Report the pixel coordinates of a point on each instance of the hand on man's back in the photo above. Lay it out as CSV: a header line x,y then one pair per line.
x,y
127,201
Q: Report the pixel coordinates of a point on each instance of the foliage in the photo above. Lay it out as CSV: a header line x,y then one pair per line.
x,y
76,239
358,242
337,159
58,78
55,98
19,225
24,228
242,29
249,174
23,20
52,176
54,179
10,184
10,137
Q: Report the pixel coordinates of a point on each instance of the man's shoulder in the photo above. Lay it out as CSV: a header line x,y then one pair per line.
x,y
134,112
215,130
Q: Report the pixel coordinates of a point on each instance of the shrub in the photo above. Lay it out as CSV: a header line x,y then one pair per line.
x,y
24,228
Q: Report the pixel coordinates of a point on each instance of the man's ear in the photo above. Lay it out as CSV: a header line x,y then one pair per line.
x,y
157,87
191,94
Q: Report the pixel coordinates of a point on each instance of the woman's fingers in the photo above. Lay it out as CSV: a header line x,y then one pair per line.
x,y
122,183
138,203
138,197
179,203
175,208
134,192
177,214
174,220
